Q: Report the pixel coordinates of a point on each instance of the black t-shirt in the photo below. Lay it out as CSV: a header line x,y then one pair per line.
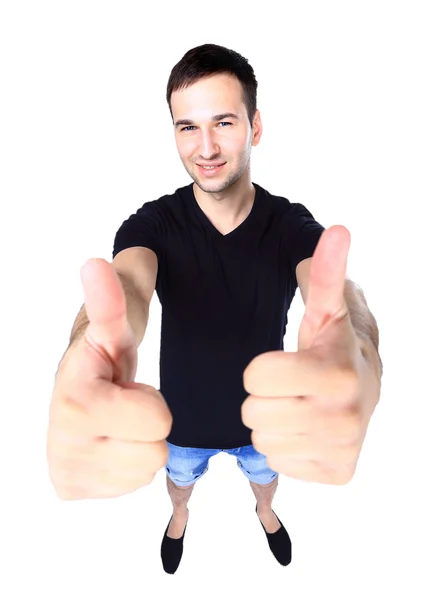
x,y
224,300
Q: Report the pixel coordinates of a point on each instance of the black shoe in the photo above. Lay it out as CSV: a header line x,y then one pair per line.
x,y
279,543
171,551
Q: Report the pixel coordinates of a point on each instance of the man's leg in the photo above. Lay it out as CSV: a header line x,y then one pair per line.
x,y
264,495
179,496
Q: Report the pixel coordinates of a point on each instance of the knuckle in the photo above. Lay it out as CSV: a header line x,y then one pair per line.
x,y
258,441
164,456
160,457
161,428
247,412
343,477
167,424
65,477
65,491
149,479
342,473
62,494
163,415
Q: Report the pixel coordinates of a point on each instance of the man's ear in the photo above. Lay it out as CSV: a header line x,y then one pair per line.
x,y
257,128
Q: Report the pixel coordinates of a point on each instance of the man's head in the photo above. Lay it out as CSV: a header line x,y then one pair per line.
x,y
211,94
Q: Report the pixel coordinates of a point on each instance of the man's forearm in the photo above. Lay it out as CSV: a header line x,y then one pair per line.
x,y
137,312
364,324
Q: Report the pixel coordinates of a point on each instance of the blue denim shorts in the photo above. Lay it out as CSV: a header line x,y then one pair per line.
x,y
186,465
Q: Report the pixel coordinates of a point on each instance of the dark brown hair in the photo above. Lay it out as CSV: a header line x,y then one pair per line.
x,y
210,59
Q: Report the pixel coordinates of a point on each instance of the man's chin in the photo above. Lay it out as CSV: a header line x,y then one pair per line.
x,y
212,187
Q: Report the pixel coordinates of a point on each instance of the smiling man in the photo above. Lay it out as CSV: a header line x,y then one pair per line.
x,y
226,257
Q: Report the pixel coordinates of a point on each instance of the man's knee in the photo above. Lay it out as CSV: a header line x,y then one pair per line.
x,y
266,485
180,487
184,487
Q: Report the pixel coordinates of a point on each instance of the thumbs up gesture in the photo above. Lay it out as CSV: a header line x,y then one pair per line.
x,y
106,434
309,410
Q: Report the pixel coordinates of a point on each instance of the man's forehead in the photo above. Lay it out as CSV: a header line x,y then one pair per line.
x,y
210,95
207,104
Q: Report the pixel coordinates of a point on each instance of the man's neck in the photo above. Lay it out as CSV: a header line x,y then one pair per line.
x,y
228,207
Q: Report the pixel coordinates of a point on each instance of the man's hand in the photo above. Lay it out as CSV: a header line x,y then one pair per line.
x,y
309,410
107,433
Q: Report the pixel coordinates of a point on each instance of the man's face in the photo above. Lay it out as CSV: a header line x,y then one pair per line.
x,y
207,135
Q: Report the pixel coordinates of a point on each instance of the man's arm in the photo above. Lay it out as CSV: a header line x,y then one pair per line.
x,y
362,319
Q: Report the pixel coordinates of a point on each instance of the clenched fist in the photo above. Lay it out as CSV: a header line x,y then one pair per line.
x,y
309,410
106,434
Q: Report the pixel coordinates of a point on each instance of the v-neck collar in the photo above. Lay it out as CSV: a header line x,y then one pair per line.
x,y
245,224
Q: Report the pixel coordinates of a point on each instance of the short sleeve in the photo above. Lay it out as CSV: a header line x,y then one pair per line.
x,y
302,234
142,228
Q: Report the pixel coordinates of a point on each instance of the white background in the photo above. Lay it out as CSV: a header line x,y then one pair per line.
x,y
86,139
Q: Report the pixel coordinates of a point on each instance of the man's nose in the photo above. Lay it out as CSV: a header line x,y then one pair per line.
x,y
208,147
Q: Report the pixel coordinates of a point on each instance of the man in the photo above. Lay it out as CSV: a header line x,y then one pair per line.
x,y
230,255
226,258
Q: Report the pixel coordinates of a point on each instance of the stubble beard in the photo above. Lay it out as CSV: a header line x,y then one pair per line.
x,y
216,187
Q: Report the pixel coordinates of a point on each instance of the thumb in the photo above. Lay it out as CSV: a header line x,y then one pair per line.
x,y
105,304
328,274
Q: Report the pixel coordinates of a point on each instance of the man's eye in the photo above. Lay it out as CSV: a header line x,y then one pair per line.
x,y
190,127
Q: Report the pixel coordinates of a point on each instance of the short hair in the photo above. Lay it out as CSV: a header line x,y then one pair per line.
x,y
211,59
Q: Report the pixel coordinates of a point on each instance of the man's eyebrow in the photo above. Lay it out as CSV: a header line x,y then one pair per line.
x,y
219,117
